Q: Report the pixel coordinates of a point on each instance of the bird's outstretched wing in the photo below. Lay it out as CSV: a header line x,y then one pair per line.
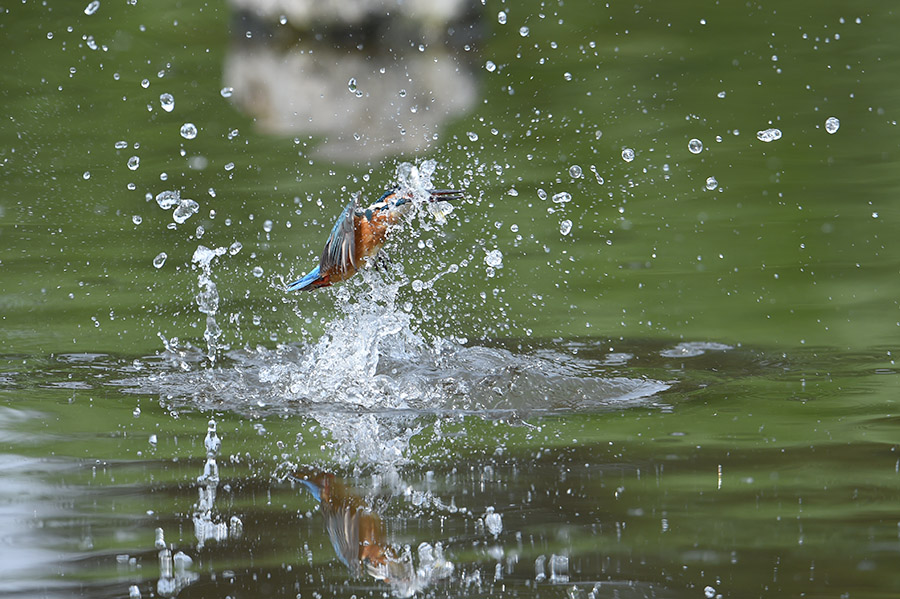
x,y
340,248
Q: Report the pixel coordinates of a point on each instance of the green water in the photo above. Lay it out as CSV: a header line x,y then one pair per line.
x,y
768,465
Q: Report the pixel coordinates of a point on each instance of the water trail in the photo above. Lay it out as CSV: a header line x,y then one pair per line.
x,y
208,297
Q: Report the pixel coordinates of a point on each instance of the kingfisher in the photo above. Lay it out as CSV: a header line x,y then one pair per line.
x,y
358,234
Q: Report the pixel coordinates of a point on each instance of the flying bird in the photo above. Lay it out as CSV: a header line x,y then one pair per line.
x,y
359,233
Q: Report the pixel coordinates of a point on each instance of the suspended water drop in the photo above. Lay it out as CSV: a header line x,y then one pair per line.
x,y
768,135
91,8
188,131
494,258
565,227
575,171
695,146
167,101
186,208
627,154
226,92
711,183
493,522
832,124
168,199
133,163
160,259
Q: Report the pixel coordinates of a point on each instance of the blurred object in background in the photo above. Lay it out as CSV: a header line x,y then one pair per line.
x,y
370,78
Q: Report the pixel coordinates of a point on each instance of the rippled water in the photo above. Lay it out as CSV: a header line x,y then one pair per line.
x,y
651,353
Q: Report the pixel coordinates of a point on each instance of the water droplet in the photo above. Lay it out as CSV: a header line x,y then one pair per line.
x,y
188,131
134,162
562,197
351,85
167,101
402,93
567,76
185,209
695,146
490,66
86,175
229,166
137,219
92,7
257,271
493,522
226,92
235,248
768,135
501,17
575,171
267,226
494,258
721,94
524,31
121,145
472,136
145,83
709,592
597,174
627,154
565,227
134,592
160,259
832,124
711,183
168,199
541,193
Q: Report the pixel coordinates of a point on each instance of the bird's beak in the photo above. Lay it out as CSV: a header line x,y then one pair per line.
x,y
445,194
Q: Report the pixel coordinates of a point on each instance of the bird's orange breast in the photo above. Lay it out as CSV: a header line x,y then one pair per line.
x,y
370,235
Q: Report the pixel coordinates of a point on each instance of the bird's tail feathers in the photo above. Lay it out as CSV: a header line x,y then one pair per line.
x,y
310,280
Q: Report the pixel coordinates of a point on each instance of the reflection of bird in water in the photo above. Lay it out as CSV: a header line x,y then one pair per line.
x,y
359,234
356,533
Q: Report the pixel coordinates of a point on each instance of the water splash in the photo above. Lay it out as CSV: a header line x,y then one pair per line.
x,y
208,298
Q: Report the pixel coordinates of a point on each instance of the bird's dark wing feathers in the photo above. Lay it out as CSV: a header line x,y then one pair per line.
x,y
340,248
